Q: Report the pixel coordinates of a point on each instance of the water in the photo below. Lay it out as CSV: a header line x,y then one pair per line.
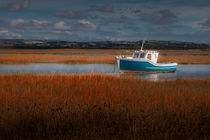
x,y
183,71
58,68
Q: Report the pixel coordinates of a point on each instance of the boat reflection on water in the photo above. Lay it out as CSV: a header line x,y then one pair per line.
x,y
151,76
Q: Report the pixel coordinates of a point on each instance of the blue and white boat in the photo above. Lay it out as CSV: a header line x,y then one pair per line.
x,y
144,61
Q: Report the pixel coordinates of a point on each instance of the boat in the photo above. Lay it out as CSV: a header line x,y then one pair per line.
x,y
144,61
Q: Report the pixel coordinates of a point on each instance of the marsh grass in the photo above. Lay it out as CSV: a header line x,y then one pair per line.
x,y
39,56
186,52
103,107
102,51
27,59
68,51
186,59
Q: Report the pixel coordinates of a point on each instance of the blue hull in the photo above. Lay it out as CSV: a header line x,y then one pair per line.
x,y
129,65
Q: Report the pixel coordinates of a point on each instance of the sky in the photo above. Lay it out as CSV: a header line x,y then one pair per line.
x,y
106,20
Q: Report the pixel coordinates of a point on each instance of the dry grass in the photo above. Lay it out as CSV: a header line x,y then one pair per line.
x,y
183,57
103,107
25,59
102,51
186,52
186,59
67,51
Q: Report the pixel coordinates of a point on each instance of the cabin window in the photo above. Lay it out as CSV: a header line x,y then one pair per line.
x,y
142,55
136,55
149,56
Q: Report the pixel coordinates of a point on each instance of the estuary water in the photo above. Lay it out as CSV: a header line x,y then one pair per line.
x,y
183,71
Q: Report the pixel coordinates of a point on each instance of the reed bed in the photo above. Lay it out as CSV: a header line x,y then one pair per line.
x,y
103,51
186,59
186,52
103,107
26,59
68,51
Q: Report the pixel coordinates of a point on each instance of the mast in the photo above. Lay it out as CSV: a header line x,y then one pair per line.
x,y
142,45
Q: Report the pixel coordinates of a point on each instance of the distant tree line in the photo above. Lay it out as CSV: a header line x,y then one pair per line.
x,y
151,44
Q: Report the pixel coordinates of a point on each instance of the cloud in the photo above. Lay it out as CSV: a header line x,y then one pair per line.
x,y
106,8
76,26
29,24
8,35
19,6
16,22
116,19
3,31
206,25
85,25
111,33
2,23
71,14
69,33
110,19
192,11
103,8
197,25
62,26
136,11
43,25
162,17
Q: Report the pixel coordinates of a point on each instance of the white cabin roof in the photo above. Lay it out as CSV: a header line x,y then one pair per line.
x,y
147,51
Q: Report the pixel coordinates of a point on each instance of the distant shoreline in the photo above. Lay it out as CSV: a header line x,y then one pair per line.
x,y
150,44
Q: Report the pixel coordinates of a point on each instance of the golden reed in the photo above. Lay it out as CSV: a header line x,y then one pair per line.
x,y
27,59
102,107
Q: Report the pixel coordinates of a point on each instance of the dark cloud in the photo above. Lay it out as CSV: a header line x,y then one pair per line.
x,y
109,34
132,26
162,17
2,22
160,30
113,19
71,14
117,19
21,24
136,11
19,6
206,24
104,8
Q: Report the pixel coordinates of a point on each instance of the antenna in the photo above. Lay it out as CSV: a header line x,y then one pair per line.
x,y
142,45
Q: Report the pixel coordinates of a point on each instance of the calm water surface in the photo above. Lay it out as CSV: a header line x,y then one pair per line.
x,y
183,71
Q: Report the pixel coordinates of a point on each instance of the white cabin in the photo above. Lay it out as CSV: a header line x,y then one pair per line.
x,y
146,55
